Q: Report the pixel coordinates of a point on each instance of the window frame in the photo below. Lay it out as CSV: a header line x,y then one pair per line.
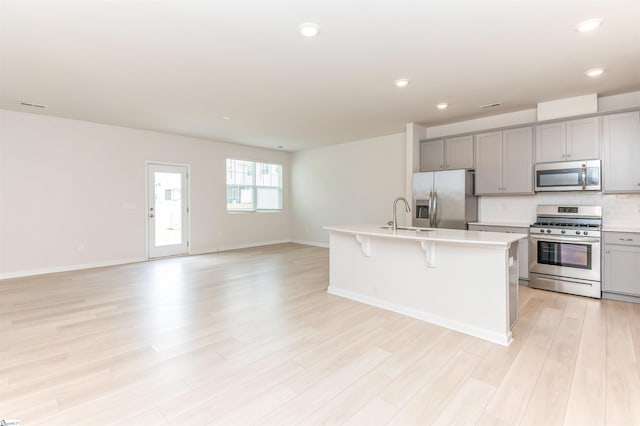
x,y
254,186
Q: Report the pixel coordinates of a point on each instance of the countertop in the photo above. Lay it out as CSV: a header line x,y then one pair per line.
x,y
431,234
509,224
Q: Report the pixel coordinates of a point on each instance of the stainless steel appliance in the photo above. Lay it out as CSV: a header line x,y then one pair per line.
x,y
568,176
564,249
444,199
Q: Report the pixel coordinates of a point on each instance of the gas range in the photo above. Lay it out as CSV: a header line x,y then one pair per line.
x,y
566,229
564,249
568,221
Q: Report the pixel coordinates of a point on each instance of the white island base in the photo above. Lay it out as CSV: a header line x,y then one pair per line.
x,y
463,280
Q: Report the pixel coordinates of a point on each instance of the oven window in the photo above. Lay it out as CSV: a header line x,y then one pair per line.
x,y
567,177
564,254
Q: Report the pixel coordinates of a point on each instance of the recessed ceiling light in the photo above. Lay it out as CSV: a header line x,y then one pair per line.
x,y
588,25
309,29
225,118
594,72
401,82
442,105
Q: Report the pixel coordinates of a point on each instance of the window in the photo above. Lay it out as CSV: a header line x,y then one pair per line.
x,y
253,186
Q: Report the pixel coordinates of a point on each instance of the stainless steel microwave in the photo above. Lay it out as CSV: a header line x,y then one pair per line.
x,y
568,176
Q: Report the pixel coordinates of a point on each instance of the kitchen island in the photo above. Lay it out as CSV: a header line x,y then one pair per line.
x,y
463,280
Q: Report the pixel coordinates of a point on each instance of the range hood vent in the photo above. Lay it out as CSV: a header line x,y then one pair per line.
x,y
29,104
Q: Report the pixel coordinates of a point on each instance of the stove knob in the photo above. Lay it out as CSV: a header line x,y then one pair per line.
x,y
548,231
577,232
585,233
563,231
542,230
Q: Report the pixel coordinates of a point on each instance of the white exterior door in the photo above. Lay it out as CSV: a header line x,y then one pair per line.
x,y
168,210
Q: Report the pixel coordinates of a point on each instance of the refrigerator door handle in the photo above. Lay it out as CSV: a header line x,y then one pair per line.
x,y
430,209
435,209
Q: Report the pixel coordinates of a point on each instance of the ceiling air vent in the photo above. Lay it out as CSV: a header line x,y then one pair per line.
x,y
490,105
29,104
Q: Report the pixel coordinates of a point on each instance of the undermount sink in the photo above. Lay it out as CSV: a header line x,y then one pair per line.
x,y
408,228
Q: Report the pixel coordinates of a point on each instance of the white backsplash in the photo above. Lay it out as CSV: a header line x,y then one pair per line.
x,y
617,209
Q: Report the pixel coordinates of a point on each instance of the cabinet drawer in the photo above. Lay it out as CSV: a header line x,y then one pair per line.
x,y
622,238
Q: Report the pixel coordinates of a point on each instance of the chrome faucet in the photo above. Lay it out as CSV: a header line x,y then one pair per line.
x,y
407,209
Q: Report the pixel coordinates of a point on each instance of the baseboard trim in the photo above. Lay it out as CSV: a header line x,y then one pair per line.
x,y
239,246
43,271
504,340
620,297
311,243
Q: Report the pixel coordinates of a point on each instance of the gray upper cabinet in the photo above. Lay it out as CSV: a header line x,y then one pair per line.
x,y
568,140
517,176
621,152
459,153
489,163
504,162
432,155
443,154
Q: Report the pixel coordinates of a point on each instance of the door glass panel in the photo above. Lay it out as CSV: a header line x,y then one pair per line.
x,y
168,205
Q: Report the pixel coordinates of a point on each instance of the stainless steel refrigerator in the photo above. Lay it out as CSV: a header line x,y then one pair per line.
x,y
444,199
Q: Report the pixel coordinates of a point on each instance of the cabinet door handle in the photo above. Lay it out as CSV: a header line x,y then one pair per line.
x,y
626,239
606,251
638,184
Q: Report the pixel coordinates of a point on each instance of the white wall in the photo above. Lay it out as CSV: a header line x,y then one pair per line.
x,y
483,123
346,184
66,184
72,193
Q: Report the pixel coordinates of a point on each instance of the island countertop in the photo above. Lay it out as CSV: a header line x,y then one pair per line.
x,y
431,234
463,280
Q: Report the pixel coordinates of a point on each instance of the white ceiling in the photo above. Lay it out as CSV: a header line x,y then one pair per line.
x,y
180,66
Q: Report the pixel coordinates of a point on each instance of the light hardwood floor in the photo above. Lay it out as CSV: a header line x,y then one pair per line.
x,y
252,337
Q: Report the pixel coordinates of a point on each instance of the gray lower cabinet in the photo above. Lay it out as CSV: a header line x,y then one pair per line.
x,y
621,263
523,245
504,162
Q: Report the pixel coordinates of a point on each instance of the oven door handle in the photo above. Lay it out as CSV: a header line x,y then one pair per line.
x,y
564,239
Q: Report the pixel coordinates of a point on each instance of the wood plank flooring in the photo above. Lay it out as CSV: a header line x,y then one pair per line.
x,y
251,337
